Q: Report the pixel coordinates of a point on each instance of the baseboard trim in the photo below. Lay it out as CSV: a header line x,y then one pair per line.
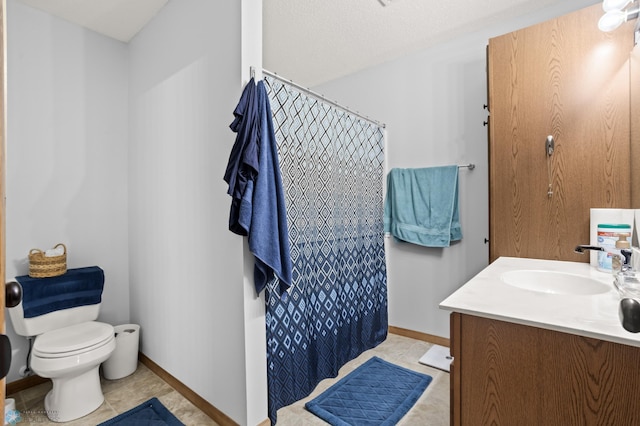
x,y
24,383
211,411
437,340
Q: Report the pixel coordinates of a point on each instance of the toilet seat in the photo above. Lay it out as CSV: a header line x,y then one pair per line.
x,y
73,340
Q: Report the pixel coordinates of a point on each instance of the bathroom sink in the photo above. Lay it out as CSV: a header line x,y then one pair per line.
x,y
553,282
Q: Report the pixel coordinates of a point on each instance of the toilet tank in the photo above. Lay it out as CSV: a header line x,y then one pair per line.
x,y
51,321
57,302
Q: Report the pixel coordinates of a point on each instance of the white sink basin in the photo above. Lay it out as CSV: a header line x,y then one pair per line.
x,y
553,282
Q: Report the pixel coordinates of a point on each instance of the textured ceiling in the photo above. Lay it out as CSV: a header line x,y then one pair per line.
x,y
314,41
119,19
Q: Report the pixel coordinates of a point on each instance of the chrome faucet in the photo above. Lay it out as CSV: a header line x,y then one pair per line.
x,y
582,248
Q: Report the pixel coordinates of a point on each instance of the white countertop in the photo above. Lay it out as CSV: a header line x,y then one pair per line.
x,y
486,295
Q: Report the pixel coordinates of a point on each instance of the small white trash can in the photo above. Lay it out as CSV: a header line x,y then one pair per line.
x,y
11,416
124,359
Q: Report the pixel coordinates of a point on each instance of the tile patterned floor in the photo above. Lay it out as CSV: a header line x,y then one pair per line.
x,y
431,409
121,395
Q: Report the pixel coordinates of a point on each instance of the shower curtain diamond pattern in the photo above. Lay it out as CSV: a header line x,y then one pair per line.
x,y
332,172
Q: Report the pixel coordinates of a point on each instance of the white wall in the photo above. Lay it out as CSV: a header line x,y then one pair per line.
x,y
187,284
432,103
254,306
67,155
119,151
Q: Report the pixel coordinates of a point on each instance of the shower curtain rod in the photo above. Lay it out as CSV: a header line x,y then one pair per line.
x,y
318,96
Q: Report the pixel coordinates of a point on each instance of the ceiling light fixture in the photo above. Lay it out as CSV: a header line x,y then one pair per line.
x,y
616,14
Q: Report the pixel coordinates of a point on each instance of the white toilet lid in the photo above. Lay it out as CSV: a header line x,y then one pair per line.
x,y
71,340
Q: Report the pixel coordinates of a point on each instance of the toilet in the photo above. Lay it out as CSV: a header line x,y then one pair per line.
x,y
61,312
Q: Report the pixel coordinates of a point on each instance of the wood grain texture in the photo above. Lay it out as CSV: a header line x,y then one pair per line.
x,y
3,209
436,340
567,79
454,377
512,374
634,82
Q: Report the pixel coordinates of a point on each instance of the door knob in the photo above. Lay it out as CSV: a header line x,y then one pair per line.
x,y
12,294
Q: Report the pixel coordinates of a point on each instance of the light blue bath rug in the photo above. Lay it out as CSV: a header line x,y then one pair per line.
x,y
376,393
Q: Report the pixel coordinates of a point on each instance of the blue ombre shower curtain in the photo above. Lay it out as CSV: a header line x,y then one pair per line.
x,y
332,171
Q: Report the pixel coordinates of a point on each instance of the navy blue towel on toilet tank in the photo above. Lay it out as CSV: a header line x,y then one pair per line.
x,y
77,287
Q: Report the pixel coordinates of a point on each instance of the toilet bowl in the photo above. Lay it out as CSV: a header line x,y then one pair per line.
x,y
71,357
69,344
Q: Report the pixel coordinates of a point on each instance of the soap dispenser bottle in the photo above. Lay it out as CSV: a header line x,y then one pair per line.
x,y
622,262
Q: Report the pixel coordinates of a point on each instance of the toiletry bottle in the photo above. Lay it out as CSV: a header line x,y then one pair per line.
x,y
624,246
621,255
608,237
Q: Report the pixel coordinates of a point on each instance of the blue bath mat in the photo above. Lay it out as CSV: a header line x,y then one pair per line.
x,y
150,413
376,393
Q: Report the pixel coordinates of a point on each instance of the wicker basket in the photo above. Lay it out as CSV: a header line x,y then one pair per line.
x,y
41,266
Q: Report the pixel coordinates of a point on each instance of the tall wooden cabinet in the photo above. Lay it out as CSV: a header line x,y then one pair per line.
x,y
634,89
567,79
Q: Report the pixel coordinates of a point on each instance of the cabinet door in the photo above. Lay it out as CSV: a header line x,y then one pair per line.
x,y
634,89
511,374
567,79
2,184
454,375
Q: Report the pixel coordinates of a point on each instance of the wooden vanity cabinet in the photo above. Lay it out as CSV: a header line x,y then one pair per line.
x,y
511,374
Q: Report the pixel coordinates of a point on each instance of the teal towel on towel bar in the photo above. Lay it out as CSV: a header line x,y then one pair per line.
x,y
421,206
